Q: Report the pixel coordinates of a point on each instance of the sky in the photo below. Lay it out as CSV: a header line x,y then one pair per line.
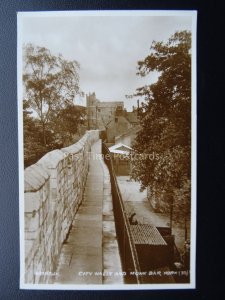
x,y
107,47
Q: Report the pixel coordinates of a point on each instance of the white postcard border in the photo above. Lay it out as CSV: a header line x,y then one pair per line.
x,y
20,17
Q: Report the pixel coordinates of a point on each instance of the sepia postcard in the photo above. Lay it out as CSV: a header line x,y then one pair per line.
x,y
107,149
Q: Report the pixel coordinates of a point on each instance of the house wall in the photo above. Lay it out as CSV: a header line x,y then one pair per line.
x,y
118,126
128,137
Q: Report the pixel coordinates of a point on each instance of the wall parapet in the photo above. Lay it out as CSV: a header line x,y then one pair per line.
x,y
53,190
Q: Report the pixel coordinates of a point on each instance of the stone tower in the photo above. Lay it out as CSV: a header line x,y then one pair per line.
x,y
92,111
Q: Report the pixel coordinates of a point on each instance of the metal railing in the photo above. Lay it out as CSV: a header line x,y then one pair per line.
x,y
128,253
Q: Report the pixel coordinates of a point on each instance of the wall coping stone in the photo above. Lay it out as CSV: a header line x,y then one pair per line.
x,y
37,174
34,178
51,159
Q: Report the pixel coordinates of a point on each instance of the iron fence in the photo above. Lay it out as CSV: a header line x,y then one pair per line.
x,y
129,258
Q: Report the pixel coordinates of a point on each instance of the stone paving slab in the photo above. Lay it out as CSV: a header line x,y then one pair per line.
x,y
83,223
89,210
90,203
90,218
88,236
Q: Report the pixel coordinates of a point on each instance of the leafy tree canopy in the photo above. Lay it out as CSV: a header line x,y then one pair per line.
x,y
67,122
50,82
51,120
165,118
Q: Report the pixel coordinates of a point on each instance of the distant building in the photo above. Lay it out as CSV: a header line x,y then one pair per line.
x,y
100,114
128,136
121,149
121,159
110,116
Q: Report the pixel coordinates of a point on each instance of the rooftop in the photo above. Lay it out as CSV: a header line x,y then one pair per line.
x,y
146,234
132,117
120,149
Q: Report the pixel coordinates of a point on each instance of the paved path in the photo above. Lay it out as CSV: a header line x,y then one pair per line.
x,y
87,253
136,201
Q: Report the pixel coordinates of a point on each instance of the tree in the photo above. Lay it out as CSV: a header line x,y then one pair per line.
x,y
50,83
165,118
66,123
32,133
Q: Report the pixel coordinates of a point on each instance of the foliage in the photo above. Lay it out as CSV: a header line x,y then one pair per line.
x,y
50,118
50,82
67,122
33,144
60,131
165,118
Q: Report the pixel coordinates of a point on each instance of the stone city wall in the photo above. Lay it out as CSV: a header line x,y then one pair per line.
x,y
53,190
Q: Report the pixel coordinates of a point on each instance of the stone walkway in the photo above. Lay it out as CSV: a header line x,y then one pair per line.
x,y
91,250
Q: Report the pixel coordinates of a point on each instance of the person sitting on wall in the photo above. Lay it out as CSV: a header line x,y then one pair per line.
x,y
133,219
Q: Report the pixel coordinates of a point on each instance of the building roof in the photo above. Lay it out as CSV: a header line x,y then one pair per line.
x,y
110,104
132,117
133,129
120,149
146,234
